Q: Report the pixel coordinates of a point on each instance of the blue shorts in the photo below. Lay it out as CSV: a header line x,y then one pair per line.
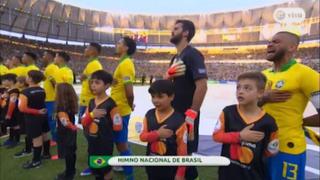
x,y
51,120
122,136
285,166
50,108
82,110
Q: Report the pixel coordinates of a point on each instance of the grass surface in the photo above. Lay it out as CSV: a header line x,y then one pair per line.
x,y
11,168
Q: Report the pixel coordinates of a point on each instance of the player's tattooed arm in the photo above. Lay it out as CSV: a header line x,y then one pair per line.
x,y
199,93
129,94
314,120
52,81
274,95
83,77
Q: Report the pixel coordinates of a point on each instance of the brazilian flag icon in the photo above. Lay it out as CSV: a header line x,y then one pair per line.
x,y
97,162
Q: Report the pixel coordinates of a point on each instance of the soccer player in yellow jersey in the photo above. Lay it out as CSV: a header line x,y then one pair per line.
x,y
3,68
29,59
122,94
64,73
18,68
49,87
91,53
290,86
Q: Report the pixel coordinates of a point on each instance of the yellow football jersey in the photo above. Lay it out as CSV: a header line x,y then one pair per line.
x,y
124,73
19,70
3,69
64,75
50,72
302,82
85,95
29,68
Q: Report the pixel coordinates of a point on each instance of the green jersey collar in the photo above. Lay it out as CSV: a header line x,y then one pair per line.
x,y
93,59
52,63
63,65
287,66
34,65
123,58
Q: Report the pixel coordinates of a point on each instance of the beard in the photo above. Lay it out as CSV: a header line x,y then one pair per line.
x,y
278,55
116,52
176,39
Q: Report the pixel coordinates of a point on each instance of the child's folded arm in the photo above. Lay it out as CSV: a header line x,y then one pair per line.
x,y
23,106
219,134
229,138
181,135
12,105
87,119
148,136
65,121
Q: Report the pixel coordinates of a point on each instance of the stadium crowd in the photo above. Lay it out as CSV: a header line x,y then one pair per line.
x,y
217,70
252,131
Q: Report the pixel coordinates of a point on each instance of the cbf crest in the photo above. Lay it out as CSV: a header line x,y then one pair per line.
x,y
280,84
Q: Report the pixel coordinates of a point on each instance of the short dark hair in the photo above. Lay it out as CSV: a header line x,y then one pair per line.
x,y
50,52
162,87
97,46
32,55
260,78
64,55
36,76
187,25
131,44
295,37
18,57
103,76
10,77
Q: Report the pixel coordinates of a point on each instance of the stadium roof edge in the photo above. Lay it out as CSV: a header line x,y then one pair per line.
x,y
261,44
114,12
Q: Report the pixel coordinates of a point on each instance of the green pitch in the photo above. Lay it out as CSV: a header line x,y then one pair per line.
x,y
11,168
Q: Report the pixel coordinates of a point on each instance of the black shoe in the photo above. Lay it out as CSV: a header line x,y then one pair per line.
x,y
60,176
63,176
7,142
31,164
22,153
46,156
12,145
